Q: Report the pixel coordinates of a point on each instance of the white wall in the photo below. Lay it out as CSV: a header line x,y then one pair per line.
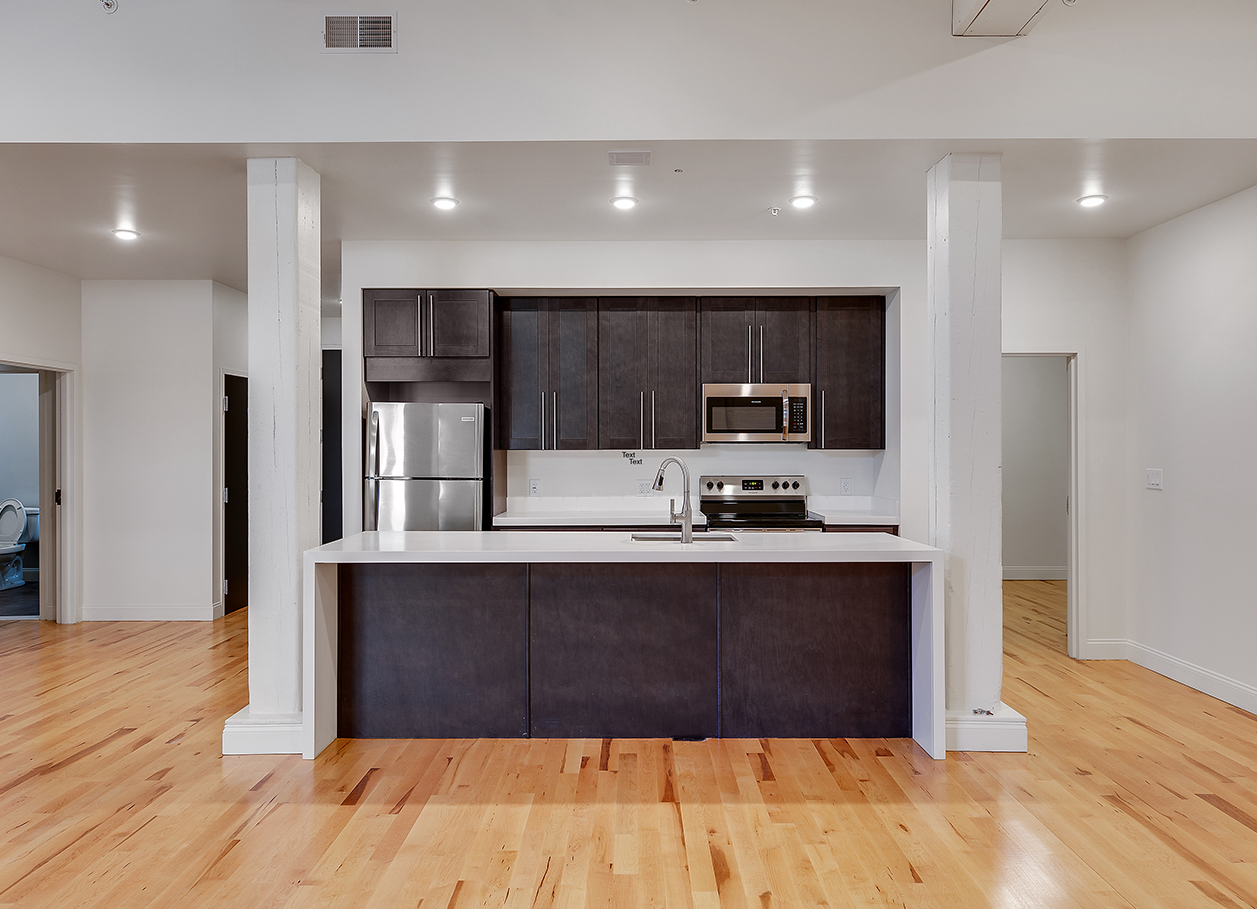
x,y
230,356
19,438
252,71
1194,407
148,496
1035,404
673,266
1071,296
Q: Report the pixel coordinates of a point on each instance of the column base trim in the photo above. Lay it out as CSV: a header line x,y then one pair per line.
x,y
1004,730
268,733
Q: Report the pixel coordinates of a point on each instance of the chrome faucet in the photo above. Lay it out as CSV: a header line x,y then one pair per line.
x,y
687,513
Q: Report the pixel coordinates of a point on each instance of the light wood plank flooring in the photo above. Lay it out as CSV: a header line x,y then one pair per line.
x,y
1137,792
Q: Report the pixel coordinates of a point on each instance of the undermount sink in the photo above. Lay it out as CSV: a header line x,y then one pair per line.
x,y
674,536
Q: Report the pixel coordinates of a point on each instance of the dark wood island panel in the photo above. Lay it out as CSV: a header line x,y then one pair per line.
x,y
815,650
624,650
433,651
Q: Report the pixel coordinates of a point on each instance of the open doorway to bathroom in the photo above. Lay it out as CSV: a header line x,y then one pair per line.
x,y
1040,491
28,492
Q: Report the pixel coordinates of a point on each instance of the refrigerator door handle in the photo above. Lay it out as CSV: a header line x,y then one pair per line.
x,y
373,444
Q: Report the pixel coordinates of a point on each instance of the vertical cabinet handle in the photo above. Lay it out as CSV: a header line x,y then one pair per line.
x,y
554,420
761,352
541,422
432,325
641,418
750,351
652,419
822,418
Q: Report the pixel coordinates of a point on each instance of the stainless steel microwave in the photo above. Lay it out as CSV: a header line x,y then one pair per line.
x,y
757,413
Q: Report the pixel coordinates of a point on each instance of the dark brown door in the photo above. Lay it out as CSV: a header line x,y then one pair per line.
x,y
622,372
783,339
236,494
458,323
573,379
673,389
849,393
390,322
728,331
523,389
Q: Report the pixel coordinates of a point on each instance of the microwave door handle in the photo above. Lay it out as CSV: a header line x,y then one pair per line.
x,y
785,410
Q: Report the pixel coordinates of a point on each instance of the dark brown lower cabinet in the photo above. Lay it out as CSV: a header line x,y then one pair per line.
x,y
433,651
815,650
623,650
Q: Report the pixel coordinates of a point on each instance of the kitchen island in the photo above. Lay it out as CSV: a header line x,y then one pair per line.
x,y
573,634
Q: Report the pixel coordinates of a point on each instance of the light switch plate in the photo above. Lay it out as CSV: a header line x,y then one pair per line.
x,y
1153,478
534,487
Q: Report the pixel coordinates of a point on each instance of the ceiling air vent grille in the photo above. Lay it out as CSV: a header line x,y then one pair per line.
x,y
359,34
628,158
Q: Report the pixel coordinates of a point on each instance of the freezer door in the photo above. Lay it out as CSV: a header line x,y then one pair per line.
x,y
424,505
426,440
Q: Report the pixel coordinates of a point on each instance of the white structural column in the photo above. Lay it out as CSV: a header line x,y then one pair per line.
x,y
284,422
965,492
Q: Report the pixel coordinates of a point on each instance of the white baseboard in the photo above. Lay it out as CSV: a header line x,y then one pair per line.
x,y
1003,730
246,733
1104,649
1035,573
1233,691
148,613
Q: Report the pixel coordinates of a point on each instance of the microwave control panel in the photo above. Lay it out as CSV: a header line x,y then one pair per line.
x,y
798,415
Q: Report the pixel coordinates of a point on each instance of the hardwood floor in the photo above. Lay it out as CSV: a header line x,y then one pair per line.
x,y
1136,792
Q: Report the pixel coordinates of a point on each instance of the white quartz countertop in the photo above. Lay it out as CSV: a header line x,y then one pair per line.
x,y
611,546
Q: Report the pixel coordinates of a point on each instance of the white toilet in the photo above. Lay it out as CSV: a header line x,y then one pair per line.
x,y
14,535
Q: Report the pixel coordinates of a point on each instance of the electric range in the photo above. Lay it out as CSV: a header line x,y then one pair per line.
x,y
757,503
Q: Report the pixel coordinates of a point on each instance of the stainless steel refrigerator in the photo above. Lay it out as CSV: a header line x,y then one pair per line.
x,y
425,467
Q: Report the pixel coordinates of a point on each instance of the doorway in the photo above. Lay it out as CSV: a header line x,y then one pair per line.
x,y
1041,501
30,492
235,493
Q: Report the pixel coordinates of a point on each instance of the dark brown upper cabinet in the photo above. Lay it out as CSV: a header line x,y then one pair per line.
x,y
756,339
849,384
411,335
647,373
548,392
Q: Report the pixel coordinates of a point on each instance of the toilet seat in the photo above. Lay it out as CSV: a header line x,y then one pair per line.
x,y
12,521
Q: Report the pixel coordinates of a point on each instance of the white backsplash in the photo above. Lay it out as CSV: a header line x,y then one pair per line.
x,y
612,474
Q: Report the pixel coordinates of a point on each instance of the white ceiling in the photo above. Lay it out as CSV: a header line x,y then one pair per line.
x,y
59,202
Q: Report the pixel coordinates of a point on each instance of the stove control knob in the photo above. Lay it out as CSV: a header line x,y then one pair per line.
x,y
720,484
795,484
710,484
775,484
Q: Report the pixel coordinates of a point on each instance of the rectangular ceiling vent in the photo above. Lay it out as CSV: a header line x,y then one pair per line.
x,y
360,35
628,158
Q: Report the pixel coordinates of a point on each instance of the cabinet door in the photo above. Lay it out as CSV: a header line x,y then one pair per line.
x,y
728,325
622,379
390,322
673,392
458,323
573,379
525,369
783,339
849,396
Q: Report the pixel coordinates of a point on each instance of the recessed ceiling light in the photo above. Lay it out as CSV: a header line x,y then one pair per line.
x,y
1092,201
126,233
803,201
624,202
445,203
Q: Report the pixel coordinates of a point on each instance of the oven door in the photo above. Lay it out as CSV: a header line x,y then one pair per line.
x,y
757,413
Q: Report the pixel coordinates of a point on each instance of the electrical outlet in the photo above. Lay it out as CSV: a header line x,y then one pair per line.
x,y
1153,480
643,488
534,487
846,486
